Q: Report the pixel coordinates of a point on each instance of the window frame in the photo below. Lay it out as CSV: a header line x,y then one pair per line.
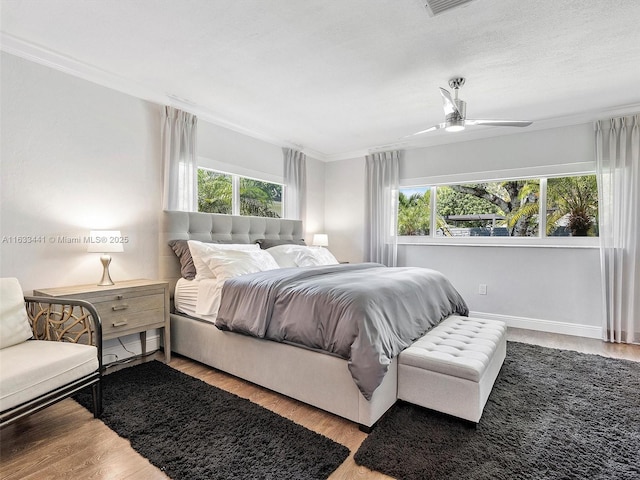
x,y
541,240
235,189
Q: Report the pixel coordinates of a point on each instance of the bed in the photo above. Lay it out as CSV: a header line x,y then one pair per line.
x,y
319,379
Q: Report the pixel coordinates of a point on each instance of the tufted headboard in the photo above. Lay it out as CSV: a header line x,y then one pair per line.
x,y
208,227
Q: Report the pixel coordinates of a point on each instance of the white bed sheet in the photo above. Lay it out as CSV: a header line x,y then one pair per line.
x,y
198,298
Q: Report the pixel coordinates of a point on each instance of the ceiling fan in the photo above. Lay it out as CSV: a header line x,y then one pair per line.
x,y
455,113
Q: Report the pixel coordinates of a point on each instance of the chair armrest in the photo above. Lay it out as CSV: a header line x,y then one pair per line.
x,y
65,320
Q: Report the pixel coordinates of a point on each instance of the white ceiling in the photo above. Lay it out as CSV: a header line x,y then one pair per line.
x,y
339,77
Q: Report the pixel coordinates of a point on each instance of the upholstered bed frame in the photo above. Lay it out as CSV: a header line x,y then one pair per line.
x,y
318,379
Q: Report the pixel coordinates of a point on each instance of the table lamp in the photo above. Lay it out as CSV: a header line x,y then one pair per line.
x,y
320,240
105,242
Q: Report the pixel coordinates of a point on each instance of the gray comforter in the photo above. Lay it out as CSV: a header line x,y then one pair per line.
x,y
366,313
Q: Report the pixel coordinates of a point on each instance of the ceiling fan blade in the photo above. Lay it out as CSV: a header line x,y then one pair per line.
x,y
430,129
499,123
448,103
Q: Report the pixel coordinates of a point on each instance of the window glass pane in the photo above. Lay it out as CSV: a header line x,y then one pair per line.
x,y
414,211
260,199
214,192
572,206
506,208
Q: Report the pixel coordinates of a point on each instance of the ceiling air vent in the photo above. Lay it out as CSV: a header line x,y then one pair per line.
x,y
437,7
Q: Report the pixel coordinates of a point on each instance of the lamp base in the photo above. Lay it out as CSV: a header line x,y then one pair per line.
x,y
106,278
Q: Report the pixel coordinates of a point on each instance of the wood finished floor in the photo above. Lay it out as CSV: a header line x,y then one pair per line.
x,y
64,441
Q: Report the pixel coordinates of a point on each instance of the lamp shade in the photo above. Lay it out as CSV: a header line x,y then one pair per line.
x,y
320,240
105,241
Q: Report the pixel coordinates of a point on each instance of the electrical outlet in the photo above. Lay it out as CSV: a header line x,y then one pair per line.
x,y
482,289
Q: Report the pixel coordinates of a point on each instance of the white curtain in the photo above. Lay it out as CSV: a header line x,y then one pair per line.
x,y
382,207
295,181
618,171
179,157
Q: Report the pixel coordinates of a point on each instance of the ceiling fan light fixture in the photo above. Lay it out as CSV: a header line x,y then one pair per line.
x,y
454,122
457,127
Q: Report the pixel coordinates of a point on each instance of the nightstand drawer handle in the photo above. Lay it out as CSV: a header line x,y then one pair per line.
x,y
119,324
115,308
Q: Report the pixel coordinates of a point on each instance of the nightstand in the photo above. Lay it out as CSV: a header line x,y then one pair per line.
x,y
132,306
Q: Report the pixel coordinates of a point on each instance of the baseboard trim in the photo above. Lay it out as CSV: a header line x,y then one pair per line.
x,y
550,326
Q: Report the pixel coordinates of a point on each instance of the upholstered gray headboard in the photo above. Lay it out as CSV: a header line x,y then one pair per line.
x,y
208,227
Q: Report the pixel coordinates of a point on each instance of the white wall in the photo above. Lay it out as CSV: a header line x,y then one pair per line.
x,y
244,154
75,157
550,289
344,209
541,148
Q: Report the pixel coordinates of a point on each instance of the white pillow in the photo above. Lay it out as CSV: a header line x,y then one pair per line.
x,y
284,255
324,256
199,250
227,262
301,256
14,322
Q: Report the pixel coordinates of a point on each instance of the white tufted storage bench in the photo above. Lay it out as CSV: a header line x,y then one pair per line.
x,y
452,368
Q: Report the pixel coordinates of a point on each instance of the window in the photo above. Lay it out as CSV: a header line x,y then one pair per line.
x,y
220,192
414,212
508,208
215,192
572,206
260,199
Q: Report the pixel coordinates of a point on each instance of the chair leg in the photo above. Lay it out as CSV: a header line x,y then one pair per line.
x,y
96,393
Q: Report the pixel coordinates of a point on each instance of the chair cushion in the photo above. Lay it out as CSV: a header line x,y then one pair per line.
x,y
33,368
459,346
14,322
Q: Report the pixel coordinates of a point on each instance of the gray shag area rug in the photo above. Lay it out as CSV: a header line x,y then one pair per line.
x,y
552,414
192,430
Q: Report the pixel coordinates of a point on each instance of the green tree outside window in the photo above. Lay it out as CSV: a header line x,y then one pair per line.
x,y
257,198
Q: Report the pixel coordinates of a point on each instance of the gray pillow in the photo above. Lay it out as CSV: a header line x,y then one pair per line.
x,y
268,243
181,249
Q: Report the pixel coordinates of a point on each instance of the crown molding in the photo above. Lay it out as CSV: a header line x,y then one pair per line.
x,y
49,58
44,56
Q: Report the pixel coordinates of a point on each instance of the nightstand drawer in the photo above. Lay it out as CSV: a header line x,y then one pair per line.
x,y
115,324
129,311
139,299
128,303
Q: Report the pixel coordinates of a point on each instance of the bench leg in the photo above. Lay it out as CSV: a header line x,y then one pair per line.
x,y
365,429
